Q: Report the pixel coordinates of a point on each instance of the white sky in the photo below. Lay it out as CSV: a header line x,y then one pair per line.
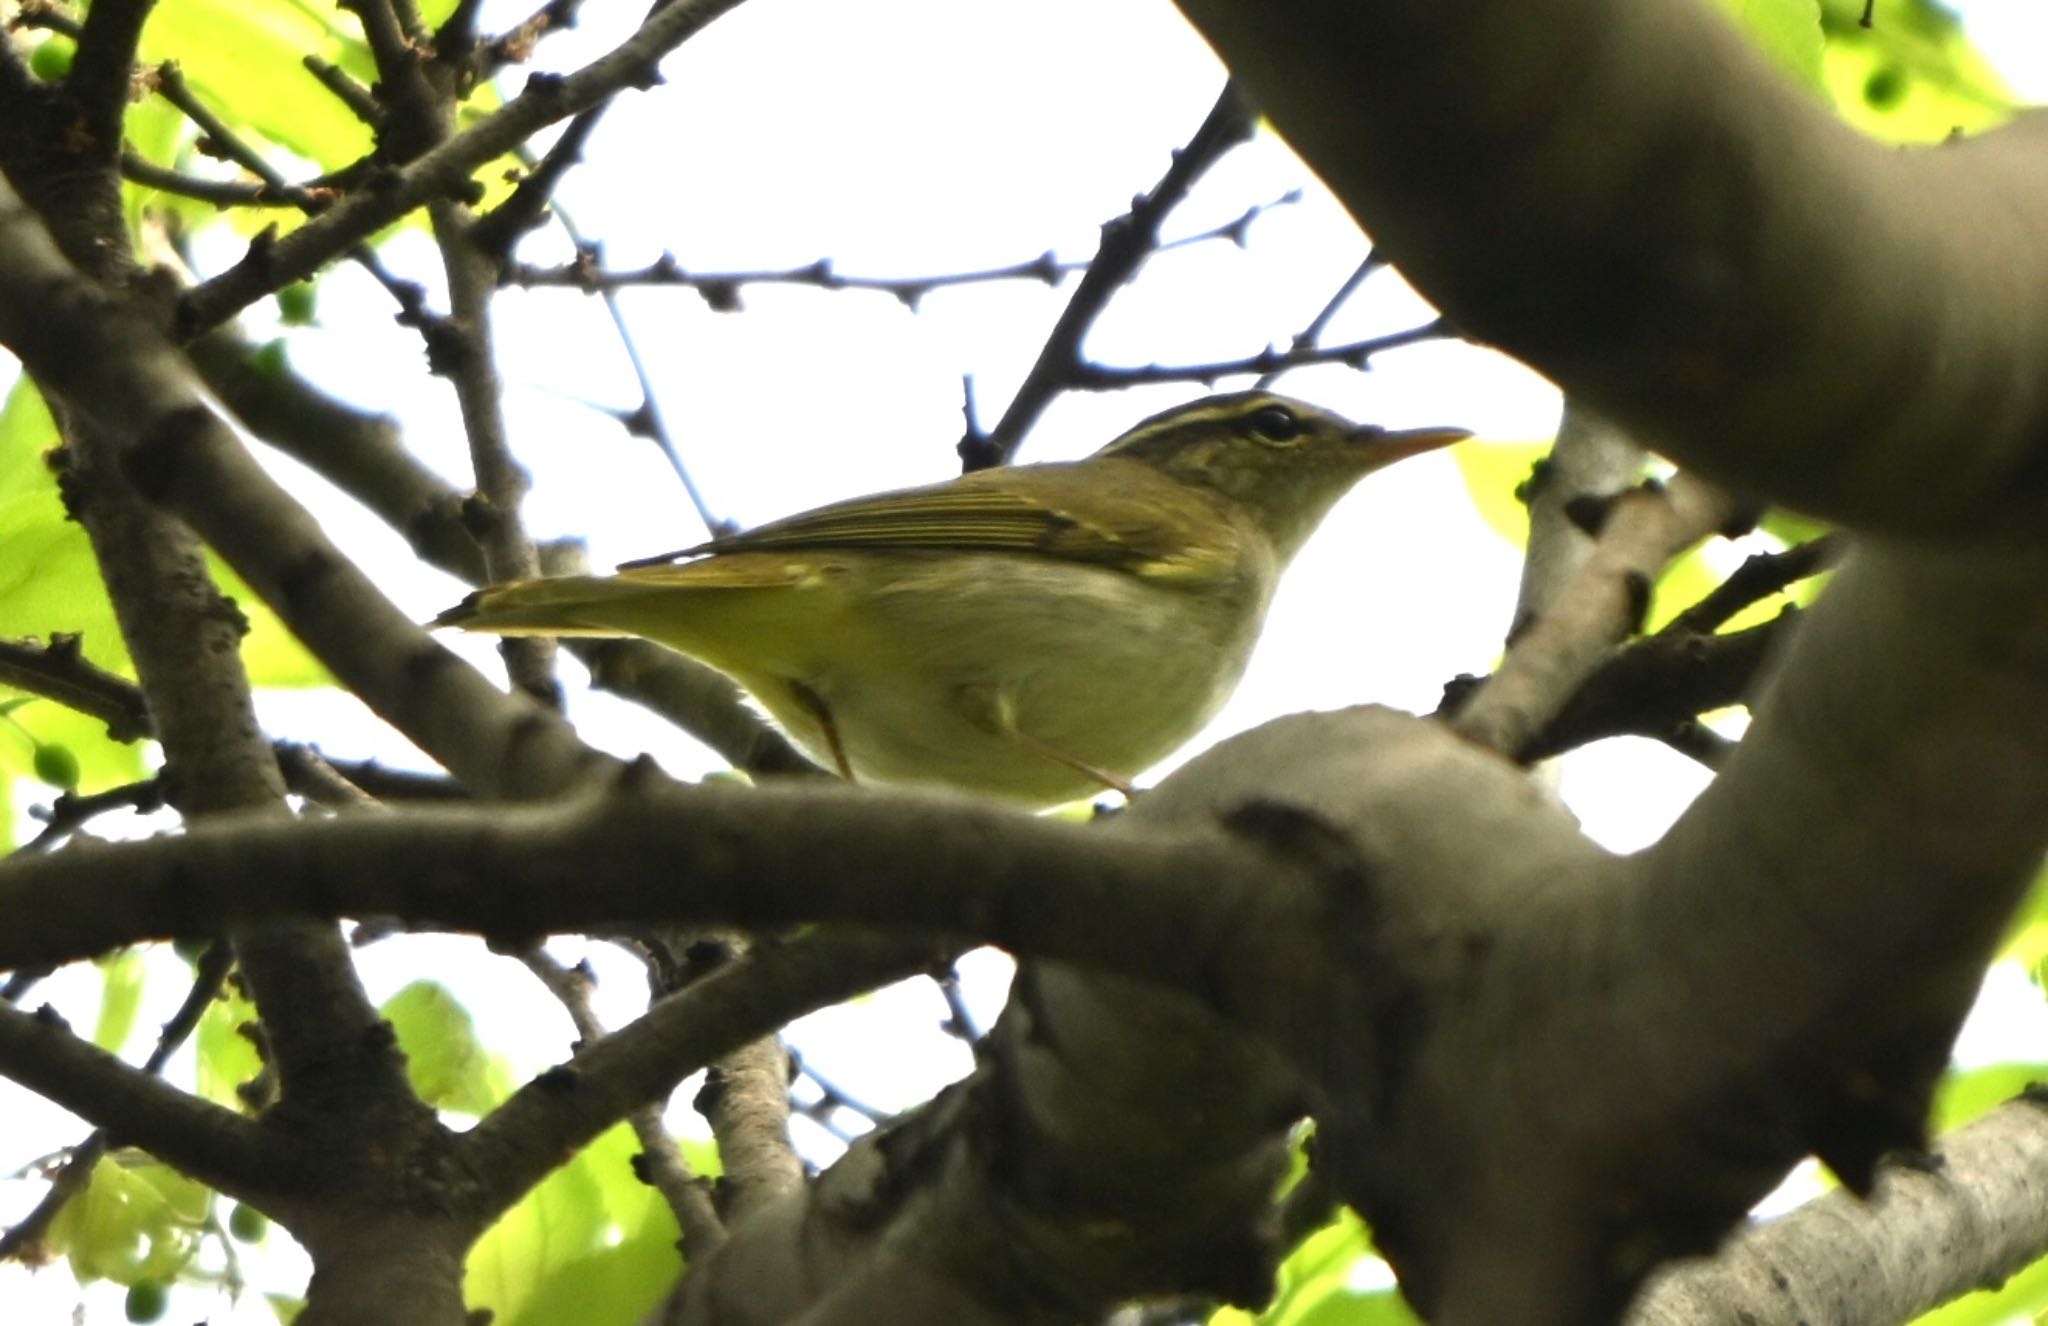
x,y
908,137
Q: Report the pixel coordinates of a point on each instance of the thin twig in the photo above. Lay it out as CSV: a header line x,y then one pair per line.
x,y
221,193
103,69
1101,377
59,671
445,170
1306,338
1657,686
648,421
1126,243
960,1022
72,810
361,102
1601,605
661,1164
721,290
460,348
1759,577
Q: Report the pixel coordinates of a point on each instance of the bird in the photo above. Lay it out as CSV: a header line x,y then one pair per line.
x,y
1034,634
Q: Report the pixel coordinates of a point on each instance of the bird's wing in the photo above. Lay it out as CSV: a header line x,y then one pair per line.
x,y
1122,517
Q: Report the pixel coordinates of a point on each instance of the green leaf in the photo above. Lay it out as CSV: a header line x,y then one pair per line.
x,y
1494,474
1789,32
121,982
1912,76
2027,941
1965,1096
50,582
226,1059
448,1067
1316,1285
591,1244
297,304
56,764
1789,527
135,1220
2021,1298
245,60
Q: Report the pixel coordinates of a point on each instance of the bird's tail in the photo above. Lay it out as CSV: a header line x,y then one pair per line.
x,y
556,605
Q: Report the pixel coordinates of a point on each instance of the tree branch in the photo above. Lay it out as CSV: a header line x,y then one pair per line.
x,y
1659,243
1931,1230
1603,604
520,1141
136,1108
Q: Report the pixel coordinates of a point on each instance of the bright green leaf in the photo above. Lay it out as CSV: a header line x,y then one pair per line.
x,y
226,1059
135,1220
49,579
591,1244
1494,474
245,60
2027,942
121,981
2022,1297
1316,1285
1964,1096
1912,76
1788,31
1789,527
448,1067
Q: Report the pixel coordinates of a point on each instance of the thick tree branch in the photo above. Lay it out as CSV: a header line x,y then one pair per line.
x,y
1932,1230
523,1139
185,639
103,71
60,671
1591,461
109,361
135,1108
1690,243
754,858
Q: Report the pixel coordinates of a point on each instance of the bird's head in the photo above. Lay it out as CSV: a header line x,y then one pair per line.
x,y
1283,463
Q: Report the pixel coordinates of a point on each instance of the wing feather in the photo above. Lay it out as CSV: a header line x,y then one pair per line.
x,y
1124,517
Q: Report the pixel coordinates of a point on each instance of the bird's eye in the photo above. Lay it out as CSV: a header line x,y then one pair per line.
x,y
1275,423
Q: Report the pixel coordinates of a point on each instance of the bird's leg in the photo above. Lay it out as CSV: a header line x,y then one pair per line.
x,y
822,713
986,707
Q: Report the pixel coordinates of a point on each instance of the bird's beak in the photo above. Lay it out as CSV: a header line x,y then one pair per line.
x,y
1384,446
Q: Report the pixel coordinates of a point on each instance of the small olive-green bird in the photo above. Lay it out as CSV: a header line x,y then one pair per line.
x,y
1035,633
